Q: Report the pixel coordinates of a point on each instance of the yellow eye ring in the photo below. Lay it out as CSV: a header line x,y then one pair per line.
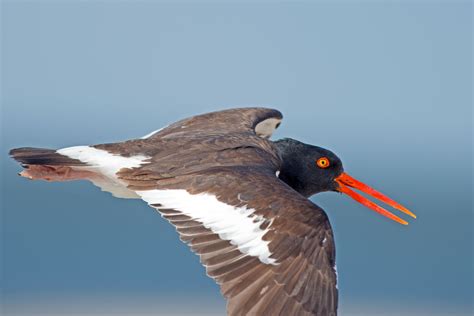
x,y
322,162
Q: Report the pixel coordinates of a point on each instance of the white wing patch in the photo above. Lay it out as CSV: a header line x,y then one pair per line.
x,y
239,225
266,127
107,165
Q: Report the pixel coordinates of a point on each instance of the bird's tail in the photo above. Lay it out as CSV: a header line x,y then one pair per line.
x,y
48,164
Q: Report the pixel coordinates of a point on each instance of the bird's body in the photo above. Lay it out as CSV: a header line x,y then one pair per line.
x,y
236,198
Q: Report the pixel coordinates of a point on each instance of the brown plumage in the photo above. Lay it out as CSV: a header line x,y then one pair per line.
x,y
239,200
220,153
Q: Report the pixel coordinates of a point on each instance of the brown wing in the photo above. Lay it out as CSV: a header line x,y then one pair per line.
x,y
300,281
230,121
219,139
214,131
213,176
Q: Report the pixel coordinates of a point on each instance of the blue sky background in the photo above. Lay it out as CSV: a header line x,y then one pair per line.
x,y
385,85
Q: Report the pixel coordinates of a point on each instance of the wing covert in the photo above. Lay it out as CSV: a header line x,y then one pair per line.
x,y
259,121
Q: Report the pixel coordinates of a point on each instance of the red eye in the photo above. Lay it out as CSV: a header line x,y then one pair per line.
x,y
322,162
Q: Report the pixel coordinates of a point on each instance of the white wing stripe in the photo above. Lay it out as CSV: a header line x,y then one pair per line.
x,y
235,224
106,164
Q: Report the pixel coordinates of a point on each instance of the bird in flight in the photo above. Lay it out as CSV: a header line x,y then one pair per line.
x,y
239,200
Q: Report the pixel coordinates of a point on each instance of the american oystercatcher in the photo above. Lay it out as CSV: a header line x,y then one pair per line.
x,y
239,200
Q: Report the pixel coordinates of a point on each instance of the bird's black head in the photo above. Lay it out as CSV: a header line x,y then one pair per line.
x,y
310,169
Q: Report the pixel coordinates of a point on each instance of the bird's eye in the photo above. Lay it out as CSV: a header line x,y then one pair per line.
x,y
322,162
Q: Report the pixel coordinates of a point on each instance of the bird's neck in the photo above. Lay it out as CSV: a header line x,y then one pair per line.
x,y
292,171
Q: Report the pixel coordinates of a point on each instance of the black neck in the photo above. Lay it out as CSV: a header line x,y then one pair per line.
x,y
292,171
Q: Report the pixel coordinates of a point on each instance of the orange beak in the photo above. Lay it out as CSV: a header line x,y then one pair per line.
x,y
345,181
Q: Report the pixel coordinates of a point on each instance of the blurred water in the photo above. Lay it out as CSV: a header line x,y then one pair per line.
x,y
190,305
387,86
